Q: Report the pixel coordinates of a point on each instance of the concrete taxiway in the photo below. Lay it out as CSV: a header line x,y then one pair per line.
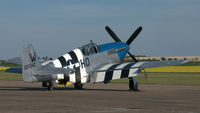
x,y
21,97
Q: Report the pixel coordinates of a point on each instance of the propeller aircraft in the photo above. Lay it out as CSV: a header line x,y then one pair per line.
x,y
89,63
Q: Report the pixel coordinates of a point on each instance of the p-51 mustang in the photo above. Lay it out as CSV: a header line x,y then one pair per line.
x,y
89,63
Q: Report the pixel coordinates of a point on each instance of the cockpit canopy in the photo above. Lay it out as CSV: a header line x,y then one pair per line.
x,y
89,49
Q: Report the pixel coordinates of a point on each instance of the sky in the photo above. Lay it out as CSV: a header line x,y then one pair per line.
x,y
54,27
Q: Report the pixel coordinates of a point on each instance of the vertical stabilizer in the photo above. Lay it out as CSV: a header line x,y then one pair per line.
x,y
28,63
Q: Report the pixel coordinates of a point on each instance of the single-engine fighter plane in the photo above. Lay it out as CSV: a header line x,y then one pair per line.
x,y
89,63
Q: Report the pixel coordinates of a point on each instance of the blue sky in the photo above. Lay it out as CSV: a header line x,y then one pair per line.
x,y
170,27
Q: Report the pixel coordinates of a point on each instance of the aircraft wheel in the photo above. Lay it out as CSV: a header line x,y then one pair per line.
x,y
133,84
78,85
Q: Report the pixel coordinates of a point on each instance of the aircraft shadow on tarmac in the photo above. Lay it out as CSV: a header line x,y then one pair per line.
x,y
59,89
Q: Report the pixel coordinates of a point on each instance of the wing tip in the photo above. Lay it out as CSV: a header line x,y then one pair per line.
x,y
185,61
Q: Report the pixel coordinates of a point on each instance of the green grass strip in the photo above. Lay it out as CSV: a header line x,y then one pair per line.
x,y
10,76
166,78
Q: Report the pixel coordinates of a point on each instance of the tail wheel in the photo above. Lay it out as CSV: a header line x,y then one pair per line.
x,y
78,85
50,86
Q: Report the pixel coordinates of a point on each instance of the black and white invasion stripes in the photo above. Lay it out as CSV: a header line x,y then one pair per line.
x,y
74,56
103,74
77,70
116,71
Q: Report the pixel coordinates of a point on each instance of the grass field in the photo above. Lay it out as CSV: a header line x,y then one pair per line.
x,y
10,76
177,69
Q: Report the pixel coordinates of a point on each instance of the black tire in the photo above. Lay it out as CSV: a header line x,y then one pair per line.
x,y
133,84
78,85
50,86
130,83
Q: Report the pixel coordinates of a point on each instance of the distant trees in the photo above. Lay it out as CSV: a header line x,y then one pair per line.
x,y
170,58
196,59
9,64
163,58
175,59
129,59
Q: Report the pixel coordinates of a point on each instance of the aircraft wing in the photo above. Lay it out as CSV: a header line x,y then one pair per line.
x,y
123,70
152,64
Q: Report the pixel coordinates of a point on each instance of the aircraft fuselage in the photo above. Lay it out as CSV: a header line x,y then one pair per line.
x,y
86,58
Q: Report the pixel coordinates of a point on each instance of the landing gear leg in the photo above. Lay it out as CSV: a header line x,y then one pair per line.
x,y
133,84
50,86
78,85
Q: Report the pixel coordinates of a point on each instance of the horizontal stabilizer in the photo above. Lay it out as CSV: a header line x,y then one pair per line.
x,y
46,70
14,70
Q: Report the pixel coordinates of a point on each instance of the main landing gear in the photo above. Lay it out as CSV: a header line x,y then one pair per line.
x,y
133,84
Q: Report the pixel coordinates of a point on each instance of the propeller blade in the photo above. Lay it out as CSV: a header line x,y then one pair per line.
x,y
134,35
112,34
133,57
